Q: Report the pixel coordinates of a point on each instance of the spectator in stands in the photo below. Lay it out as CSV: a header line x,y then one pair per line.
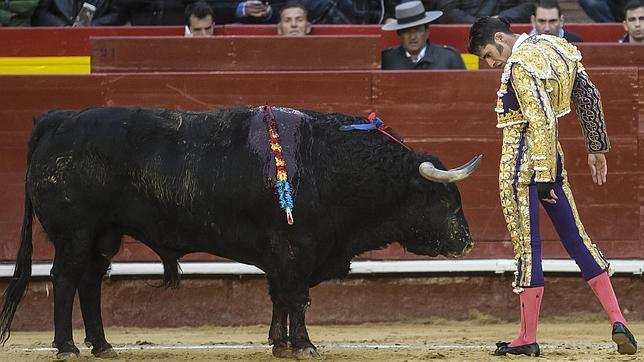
x,y
548,19
64,12
634,22
603,11
293,20
467,11
153,12
415,50
199,19
254,9
17,12
332,12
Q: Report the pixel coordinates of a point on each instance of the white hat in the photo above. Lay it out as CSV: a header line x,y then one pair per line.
x,y
410,14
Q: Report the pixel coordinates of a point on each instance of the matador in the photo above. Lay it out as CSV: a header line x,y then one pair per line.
x,y
541,75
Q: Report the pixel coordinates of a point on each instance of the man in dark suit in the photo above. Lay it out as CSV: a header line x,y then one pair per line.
x,y
547,19
468,11
415,51
64,12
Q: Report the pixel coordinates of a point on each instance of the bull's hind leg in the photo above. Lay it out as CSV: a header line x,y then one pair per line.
x,y
89,294
70,264
278,333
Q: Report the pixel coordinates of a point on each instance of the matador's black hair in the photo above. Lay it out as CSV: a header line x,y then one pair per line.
x,y
483,30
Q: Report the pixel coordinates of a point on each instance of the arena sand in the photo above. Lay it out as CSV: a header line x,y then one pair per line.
x,y
583,338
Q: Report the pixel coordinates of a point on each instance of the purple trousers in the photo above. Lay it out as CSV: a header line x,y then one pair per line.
x,y
520,204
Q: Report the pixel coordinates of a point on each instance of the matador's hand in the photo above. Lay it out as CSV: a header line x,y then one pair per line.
x,y
598,167
546,192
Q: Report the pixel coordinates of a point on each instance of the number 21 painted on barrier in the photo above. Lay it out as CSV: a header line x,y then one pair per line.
x,y
107,52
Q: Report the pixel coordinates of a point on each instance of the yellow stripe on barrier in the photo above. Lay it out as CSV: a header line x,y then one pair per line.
x,y
81,64
45,65
471,61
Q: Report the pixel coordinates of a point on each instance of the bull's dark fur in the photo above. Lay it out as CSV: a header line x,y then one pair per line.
x,y
183,182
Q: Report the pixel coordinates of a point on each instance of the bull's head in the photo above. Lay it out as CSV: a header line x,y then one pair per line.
x,y
438,225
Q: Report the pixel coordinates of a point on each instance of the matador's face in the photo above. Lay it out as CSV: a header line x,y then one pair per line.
x,y
496,54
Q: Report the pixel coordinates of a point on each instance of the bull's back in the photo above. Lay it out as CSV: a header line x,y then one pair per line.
x,y
115,160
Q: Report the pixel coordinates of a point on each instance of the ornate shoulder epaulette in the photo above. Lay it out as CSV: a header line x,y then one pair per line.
x,y
562,47
536,56
533,58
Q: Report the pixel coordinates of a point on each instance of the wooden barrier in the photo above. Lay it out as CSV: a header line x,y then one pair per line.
x,y
455,35
65,50
238,53
605,55
611,54
447,113
272,53
68,41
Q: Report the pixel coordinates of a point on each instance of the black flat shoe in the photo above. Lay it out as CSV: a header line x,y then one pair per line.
x,y
626,343
503,348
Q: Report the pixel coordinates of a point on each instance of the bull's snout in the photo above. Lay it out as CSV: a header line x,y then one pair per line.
x,y
460,241
467,247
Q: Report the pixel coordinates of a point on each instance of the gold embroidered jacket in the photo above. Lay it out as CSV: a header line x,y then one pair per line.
x,y
540,78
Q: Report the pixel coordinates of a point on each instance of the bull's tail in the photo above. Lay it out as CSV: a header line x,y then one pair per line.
x,y
21,274
171,276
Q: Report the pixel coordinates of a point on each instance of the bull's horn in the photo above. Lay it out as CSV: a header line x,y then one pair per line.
x,y
428,171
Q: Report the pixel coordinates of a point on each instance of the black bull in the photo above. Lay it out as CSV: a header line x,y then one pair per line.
x,y
183,182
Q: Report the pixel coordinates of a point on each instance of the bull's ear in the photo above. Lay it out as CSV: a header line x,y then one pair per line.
x,y
418,184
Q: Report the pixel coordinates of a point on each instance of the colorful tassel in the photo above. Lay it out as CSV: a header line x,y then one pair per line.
x,y
283,186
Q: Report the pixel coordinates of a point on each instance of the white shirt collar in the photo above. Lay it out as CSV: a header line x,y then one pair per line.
x,y
420,56
521,39
559,34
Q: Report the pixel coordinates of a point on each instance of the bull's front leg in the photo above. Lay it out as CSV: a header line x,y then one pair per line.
x,y
278,333
299,337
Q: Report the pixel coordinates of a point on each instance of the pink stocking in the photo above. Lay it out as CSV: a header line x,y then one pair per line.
x,y
604,291
530,300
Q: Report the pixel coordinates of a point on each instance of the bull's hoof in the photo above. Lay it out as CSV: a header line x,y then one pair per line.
x,y
306,353
105,353
282,352
66,350
66,356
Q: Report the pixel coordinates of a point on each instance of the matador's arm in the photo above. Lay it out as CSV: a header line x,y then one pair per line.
x,y
538,111
588,104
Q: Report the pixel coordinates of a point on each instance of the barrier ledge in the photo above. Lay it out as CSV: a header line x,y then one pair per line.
x,y
74,41
234,53
497,266
68,41
455,35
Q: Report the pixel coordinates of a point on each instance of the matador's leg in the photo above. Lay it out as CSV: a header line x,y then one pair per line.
x,y
520,205
565,219
591,262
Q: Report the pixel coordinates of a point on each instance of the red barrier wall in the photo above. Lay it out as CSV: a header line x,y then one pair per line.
x,y
448,113
67,41
245,301
141,54
455,35
233,53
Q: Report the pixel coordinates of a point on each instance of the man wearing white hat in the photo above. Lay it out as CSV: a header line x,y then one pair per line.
x,y
415,51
